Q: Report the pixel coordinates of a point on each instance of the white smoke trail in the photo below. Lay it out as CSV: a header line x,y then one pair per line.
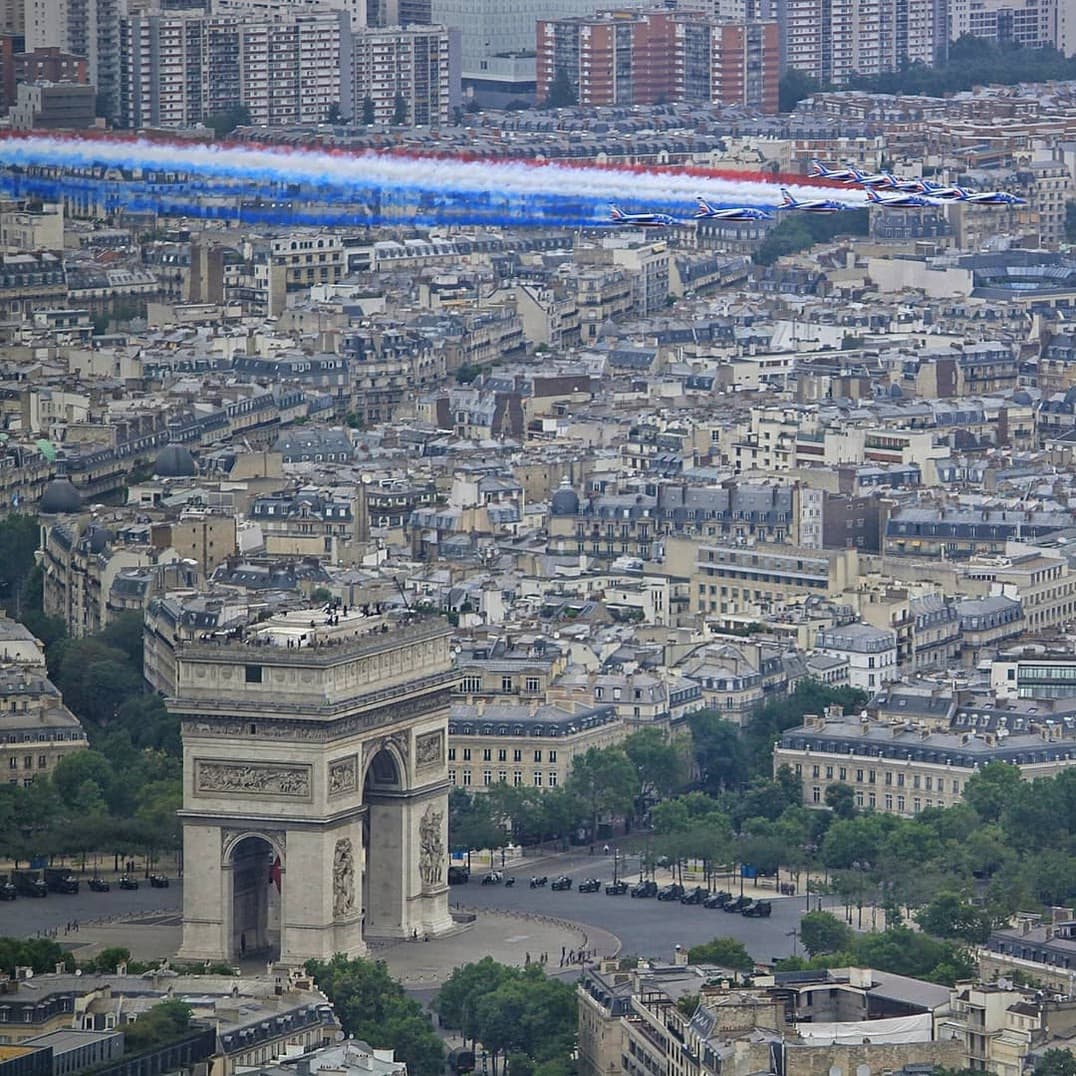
x,y
338,172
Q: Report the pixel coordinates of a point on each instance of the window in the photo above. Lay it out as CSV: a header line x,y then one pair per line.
x,y
814,772
888,778
471,685
829,773
487,777
466,754
900,804
451,777
859,798
28,762
451,754
506,684
872,800
533,683
871,775
466,778
42,761
487,755
552,756
900,780
859,777
537,778
502,755
915,781
552,778
537,756
13,763
254,674
816,794
842,774
502,776
917,805
889,801
517,756
517,777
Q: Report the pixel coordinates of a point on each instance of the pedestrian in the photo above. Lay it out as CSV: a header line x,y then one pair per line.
x,y
562,951
527,959
606,849
76,926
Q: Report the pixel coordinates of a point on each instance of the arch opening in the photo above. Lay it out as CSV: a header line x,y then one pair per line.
x,y
383,841
257,881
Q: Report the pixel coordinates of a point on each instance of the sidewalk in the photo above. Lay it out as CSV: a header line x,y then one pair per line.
x,y
510,938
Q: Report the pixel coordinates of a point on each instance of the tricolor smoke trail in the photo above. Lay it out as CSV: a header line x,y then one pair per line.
x,y
267,185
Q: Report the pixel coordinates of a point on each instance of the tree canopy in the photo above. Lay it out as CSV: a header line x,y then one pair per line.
x,y
374,1007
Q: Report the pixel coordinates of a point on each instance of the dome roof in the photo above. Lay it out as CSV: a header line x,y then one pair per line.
x,y
895,391
60,496
174,461
565,502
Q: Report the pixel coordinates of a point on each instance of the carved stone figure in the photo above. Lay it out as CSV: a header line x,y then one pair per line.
x,y
266,779
431,847
343,879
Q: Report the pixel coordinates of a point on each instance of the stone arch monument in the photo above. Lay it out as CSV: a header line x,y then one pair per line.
x,y
315,785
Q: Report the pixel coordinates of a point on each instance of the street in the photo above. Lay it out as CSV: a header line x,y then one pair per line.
x,y
26,916
645,927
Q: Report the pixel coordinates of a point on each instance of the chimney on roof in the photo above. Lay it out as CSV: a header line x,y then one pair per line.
x,y
680,957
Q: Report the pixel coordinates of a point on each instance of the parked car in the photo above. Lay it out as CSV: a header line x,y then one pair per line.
x,y
590,885
99,885
127,882
8,890
616,889
760,908
671,892
737,905
717,900
695,896
158,881
458,875
645,889
563,882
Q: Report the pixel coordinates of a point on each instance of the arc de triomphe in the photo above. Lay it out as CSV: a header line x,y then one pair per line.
x,y
315,789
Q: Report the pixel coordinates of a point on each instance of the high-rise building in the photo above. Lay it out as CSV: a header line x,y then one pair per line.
x,y
834,39
87,28
181,67
497,36
728,63
404,74
637,58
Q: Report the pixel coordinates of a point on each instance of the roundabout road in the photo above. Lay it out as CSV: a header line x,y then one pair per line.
x,y
645,927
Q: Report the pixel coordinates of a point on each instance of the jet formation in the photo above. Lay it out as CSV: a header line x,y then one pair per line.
x,y
882,189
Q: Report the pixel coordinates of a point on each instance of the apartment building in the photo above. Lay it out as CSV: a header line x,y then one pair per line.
x,y
1034,673
871,653
635,57
834,40
179,67
81,28
903,767
725,63
404,75
524,744
736,579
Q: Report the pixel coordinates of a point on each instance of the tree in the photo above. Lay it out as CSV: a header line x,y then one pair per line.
x,y
821,932
725,952
562,93
19,539
165,1022
948,916
227,120
603,779
841,800
399,110
718,750
658,763
794,86
334,115
991,788
373,1007
1056,1062
108,960
368,113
